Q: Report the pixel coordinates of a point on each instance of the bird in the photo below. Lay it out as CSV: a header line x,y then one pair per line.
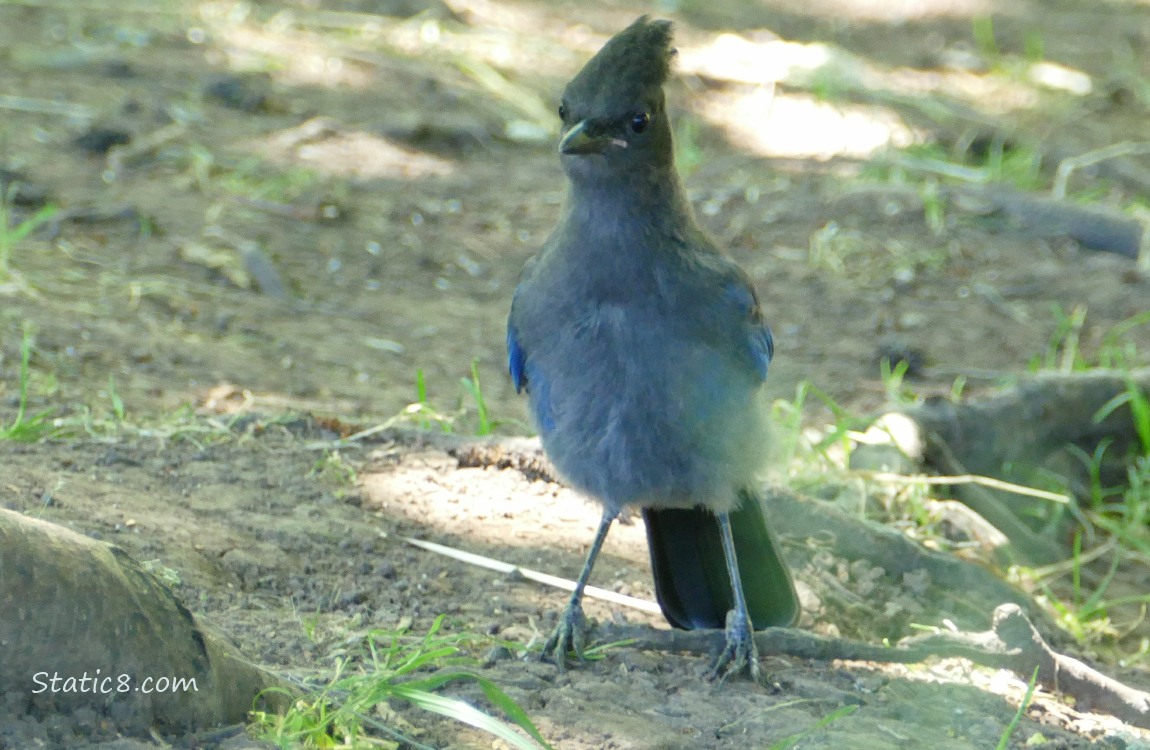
x,y
643,350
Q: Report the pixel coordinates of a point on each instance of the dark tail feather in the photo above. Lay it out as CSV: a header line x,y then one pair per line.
x,y
691,579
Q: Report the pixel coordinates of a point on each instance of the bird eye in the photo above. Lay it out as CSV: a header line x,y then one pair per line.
x,y
563,112
640,122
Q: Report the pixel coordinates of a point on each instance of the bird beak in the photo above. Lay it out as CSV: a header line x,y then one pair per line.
x,y
577,141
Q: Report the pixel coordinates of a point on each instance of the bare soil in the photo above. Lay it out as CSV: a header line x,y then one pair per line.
x,y
259,263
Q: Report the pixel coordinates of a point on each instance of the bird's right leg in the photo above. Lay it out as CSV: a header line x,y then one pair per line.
x,y
570,634
739,653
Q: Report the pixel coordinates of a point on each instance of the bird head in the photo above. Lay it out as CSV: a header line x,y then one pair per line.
x,y
614,113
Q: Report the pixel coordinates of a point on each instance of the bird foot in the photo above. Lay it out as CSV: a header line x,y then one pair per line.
x,y
740,653
569,635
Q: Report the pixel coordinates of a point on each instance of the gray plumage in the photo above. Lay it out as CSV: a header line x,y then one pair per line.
x,y
642,346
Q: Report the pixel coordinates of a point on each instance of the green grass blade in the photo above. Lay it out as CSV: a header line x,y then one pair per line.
x,y
491,691
26,429
789,742
458,710
1003,742
29,225
473,388
1140,410
425,659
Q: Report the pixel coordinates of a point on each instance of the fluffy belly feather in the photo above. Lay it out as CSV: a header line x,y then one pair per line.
x,y
632,421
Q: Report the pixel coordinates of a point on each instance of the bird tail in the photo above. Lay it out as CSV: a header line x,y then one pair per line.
x,y
691,579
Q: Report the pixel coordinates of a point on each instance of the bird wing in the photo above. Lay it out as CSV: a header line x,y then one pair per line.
x,y
734,315
524,374
515,358
760,345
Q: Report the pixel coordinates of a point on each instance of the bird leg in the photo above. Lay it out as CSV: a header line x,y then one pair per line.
x,y
570,634
740,652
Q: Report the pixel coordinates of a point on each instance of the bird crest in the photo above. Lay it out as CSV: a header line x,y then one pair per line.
x,y
637,59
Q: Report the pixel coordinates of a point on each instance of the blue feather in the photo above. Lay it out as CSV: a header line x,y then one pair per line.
x,y
760,343
515,359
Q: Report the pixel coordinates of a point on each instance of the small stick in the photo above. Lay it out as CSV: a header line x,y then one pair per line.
x,y
533,575
998,484
1067,166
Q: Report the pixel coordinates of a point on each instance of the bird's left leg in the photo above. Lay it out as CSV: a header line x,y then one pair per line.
x,y
740,652
570,634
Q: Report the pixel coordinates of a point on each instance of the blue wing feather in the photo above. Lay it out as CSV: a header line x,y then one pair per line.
x,y
760,343
527,378
515,359
762,348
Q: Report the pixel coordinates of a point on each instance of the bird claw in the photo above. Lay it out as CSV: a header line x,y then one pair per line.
x,y
740,653
570,635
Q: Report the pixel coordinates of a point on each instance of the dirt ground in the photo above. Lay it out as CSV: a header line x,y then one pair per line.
x,y
312,203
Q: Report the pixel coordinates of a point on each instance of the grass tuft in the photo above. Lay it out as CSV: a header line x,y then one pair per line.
x,y
471,417
343,713
24,428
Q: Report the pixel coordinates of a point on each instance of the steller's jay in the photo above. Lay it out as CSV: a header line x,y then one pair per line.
x,y
644,350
